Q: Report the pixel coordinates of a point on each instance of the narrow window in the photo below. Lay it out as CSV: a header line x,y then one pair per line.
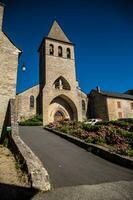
x,y
131,106
32,101
68,53
120,114
51,49
119,104
60,52
83,105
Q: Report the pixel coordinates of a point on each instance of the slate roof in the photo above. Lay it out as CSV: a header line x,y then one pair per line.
x,y
57,33
116,95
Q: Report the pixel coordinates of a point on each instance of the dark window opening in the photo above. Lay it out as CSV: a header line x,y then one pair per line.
x,y
60,52
31,101
68,53
51,49
119,104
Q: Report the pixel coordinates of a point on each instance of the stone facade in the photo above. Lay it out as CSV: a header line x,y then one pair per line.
x,y
24,100
58,91
110,106
119,108
61,94
8,70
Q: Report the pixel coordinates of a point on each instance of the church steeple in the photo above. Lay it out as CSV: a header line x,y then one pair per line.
x,y
57,33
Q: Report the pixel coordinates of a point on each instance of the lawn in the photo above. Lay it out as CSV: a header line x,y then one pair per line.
x,y
117,136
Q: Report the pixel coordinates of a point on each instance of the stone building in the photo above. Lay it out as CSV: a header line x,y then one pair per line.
x,y
110,106
58,95
9,54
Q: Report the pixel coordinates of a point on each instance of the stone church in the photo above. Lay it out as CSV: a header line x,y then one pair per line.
x,y
57,96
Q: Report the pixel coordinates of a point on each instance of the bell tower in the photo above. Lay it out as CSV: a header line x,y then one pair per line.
x,y
57,58
57,76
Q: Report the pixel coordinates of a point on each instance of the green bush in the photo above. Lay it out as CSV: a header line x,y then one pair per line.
x,y
130,152
91,128
120,123
35,121
126,134
102,123
64,129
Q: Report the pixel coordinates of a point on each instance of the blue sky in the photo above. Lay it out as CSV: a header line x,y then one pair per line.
x,y
101,29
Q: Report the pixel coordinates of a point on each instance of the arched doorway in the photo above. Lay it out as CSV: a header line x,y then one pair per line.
x,y
59,116
60,108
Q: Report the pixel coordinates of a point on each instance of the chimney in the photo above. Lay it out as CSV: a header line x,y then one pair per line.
x,y
98,89
1,14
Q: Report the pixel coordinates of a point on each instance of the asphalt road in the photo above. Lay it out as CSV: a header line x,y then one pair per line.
x,y
68,164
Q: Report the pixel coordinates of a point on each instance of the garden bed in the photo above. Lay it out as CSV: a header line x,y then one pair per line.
x,y
116,136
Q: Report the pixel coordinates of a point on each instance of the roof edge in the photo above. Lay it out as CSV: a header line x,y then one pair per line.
x,y
2,4
12,42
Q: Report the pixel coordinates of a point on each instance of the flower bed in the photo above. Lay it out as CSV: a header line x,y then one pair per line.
x,y
116,136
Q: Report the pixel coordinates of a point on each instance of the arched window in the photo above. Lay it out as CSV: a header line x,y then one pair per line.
x,y
83,105
60,51
68,52
51,49
31,101
61,83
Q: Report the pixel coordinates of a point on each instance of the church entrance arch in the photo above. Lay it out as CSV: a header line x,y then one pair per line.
x,y
62,107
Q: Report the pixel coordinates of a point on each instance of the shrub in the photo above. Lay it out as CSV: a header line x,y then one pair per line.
x,y
95,138
121,124
64,129
130,152
102,123
126,134
114,138
91,128
121,149
35,121
131,129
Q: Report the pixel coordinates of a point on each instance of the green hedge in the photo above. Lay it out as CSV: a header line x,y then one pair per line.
x,y
35,121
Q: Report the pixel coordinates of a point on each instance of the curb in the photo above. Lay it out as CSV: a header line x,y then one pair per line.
x,y
97,150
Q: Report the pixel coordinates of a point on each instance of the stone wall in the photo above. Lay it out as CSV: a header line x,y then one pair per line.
x,y
8,71
53,67
98,106
125,109
37,175
23,103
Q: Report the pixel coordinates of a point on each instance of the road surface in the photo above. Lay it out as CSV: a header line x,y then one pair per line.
x,y
68,164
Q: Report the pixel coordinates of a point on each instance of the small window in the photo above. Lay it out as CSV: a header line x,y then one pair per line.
x,y
131,106
31,101
60,52
68,53
83,105
119,104
51,49
120,114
